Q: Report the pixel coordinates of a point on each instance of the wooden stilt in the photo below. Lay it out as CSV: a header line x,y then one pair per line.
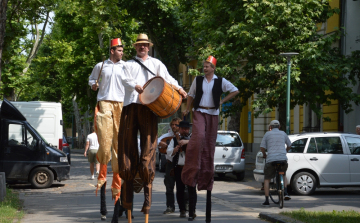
x,y
208,207
146,218
129,216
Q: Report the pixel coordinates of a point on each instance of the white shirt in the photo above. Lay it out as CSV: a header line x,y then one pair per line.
x,y
169,134
93,141
137,75
110,85
170,150
207,99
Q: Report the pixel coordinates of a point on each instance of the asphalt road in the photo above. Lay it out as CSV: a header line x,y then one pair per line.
x,y
74,200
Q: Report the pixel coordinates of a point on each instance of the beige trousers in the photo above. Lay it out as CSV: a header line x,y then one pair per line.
x,y
108,122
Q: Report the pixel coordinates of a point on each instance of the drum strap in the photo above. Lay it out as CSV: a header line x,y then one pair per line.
x,y
141,64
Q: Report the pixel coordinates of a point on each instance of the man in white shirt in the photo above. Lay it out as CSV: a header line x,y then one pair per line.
x,y
177,150
205,92
169,180
137,117
110,104
358,129
92,146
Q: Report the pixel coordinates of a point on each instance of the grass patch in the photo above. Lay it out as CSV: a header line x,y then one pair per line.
x,y
349,216
11,207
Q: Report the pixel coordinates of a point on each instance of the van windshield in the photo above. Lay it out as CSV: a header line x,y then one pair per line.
x,y
42,138
228,139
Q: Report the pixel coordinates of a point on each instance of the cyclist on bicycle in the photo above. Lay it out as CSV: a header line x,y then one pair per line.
x,y
274,141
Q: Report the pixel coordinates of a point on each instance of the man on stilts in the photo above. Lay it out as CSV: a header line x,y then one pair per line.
x,y
106,76
137,117
205,92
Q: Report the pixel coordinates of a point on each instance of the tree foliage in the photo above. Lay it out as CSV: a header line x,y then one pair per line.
x,y
251,34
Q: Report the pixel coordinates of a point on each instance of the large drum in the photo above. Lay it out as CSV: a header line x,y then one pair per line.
x,y
160,97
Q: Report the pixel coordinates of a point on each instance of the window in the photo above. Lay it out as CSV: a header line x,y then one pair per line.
x,y
16,135
354,145
228,139
298,146
31,141
328,145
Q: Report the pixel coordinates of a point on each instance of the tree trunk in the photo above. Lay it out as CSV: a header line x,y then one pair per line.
x,y
78,124
234,124
3,8
282,116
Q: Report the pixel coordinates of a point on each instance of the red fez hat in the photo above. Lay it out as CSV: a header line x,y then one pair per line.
x,y
212,60
116,42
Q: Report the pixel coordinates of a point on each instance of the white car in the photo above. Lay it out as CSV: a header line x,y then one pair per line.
x,y
319,160
229,155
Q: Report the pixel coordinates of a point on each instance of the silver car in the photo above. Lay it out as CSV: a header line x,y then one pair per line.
x,y
319,160
229,155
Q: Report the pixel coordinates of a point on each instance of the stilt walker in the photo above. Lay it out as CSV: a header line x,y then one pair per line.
x,y
205,95
138,117
107,77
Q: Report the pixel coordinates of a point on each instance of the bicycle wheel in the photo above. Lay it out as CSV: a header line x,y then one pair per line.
x,y
273,192
281,191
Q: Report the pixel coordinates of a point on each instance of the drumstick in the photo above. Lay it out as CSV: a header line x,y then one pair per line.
x,y
129,216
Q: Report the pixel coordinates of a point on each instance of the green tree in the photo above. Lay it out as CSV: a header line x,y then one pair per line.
x,y
251,34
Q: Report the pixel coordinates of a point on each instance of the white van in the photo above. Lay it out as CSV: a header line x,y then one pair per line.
x,y
46,118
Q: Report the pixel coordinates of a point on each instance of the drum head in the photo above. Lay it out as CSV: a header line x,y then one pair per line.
x,y
152,91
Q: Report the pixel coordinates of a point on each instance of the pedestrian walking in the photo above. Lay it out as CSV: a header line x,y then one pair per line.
x,y
91,149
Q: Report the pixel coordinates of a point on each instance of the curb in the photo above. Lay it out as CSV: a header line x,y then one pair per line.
x,y
277,218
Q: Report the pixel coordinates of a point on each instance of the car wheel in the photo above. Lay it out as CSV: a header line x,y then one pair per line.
x,y
162,163
41,177
304,183
240,176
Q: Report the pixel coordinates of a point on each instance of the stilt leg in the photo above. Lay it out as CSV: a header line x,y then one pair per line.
x,y
208,207
103,209
115,218
146,218
129,216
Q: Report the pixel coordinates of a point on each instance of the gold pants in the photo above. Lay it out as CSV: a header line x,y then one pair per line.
x,y
107,123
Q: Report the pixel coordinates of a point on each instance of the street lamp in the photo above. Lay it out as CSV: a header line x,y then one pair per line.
x,y
288,57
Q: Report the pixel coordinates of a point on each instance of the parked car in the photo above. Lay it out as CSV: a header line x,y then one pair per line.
x,y
25,155
65,148
229,155
319,160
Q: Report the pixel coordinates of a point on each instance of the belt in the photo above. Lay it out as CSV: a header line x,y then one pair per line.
x,y
207,108
180,166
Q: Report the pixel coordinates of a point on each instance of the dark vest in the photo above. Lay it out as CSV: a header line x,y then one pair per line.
x,y
176,157
216,91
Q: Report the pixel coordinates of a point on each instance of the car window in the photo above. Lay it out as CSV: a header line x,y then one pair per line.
x,y
30,140
312,146
228,139
298,146
16,135
327,145
354,144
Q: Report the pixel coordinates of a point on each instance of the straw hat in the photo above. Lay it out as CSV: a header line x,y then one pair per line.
x,y
212,60
143,38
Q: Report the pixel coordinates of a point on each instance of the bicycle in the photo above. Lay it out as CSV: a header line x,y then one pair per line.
x,y
278,184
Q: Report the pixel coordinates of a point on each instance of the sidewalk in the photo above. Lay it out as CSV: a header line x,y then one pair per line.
x,y
74,200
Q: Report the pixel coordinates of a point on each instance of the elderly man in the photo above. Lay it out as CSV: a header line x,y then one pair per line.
x,y
106,76
206,93
358,129
169,180
137,117
274,141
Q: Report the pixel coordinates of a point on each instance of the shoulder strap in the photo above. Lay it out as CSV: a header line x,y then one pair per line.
x,y
141,64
